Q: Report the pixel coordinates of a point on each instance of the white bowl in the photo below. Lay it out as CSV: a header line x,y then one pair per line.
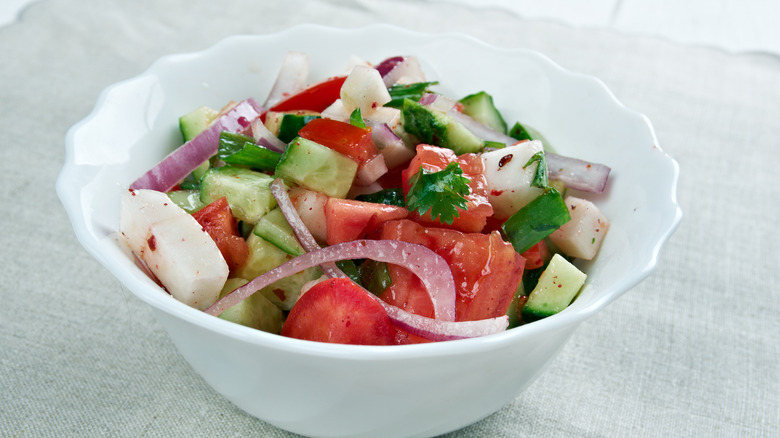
x,y
341,390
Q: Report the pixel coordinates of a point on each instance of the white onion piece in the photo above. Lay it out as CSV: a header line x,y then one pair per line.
x,y
266,138
371,170
431,268
404,69
187,157
305,238
438,102
577,174
292,78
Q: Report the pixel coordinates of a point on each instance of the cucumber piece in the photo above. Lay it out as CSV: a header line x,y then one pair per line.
x,y
290,124
437,128
188,200
317,167
235,148
374,276
196,121
519,133
537,220
264,256
394,196
481,108
248,192
558,285
256,311
274,228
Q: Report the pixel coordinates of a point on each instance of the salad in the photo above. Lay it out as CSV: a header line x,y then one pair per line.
x,y
366,208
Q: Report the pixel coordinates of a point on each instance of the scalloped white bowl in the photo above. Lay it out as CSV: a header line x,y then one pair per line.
x,y
341,390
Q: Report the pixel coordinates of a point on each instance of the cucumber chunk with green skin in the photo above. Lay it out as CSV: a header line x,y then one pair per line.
x,y
558,285
519,133
290,124
481,108
437,128
317,167
274,228
248,192
196,121
256,311
235,148
537,220
188,200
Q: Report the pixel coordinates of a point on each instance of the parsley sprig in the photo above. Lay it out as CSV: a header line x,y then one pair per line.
x,y
442,192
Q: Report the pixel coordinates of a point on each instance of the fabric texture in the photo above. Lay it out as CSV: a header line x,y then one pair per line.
x,y
692,351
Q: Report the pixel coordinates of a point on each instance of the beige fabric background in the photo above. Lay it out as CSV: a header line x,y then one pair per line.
x,y
692,351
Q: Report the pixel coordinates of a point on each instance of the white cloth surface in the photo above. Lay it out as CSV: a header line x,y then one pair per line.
x,y
692,351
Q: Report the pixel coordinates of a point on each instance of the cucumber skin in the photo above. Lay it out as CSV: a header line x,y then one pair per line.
x,y
481,108
535,221
436,128
558,285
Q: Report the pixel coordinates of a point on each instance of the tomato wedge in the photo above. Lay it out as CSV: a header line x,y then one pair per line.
x,y
339,311
316,97
345,138
536,256
217,219
349,220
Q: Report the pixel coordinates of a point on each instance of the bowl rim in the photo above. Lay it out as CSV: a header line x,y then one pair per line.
x,y
70,196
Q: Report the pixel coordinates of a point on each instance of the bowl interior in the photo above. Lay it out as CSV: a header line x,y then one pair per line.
x,y
137,118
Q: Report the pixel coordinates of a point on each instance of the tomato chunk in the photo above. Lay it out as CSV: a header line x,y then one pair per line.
x,y
347,219
536,256
339,311
434,159
347,139
486,269
217,219
314,98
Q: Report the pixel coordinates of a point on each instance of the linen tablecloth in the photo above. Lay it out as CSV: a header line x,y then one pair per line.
x,y
692,351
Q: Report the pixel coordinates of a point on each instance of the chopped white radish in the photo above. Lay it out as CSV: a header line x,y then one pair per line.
x,y
581,237
310,206
336,111
371,170
364,89
509,179
174,246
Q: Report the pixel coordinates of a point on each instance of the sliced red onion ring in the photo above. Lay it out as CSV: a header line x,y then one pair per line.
x,y
431,268
397,67
266,138
438,330
577,174
187,157
292,78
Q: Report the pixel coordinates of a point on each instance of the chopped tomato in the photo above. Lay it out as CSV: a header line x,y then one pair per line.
x,y
314,98
345,138
217,219
339,311
347,219
402,337
486,269
434,159
536,256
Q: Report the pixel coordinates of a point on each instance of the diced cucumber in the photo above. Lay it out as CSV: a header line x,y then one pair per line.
x,y
235,148
394,196
537,220
481,108
374,276
274,228
196,121
264,256
248,192
292,123
558,285
317,167
437,128
519,133
188,200
256,311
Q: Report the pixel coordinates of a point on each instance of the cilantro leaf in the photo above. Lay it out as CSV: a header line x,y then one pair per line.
x,y
540,177
356,119
442,192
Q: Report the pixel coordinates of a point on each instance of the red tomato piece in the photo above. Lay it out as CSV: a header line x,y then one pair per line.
x,y
339,311
434,159
345,138
314,98
217,219
536,256
486,269
348,220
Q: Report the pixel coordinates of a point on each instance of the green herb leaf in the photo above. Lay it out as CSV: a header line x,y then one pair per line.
x,y
356,119
540,177
442,192
408,91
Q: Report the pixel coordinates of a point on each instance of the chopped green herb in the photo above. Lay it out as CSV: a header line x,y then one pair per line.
x,y
409,91
356,119
540,177
442,192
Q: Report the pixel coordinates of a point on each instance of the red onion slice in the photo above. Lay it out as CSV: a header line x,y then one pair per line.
x,y
431,268
187,157
266,138
292,78
438,330
577,174
397,67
